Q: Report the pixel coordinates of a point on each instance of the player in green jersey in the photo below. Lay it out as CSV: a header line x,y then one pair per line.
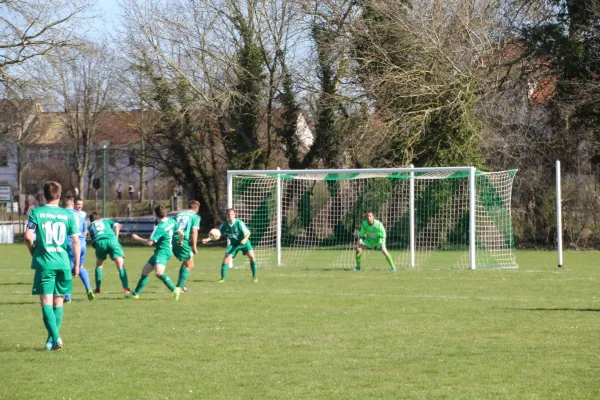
x,y
237,233
161,239
189,222
104,234
372,236
46,236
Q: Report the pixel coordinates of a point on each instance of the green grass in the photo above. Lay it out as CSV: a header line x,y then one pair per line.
x,y
530,333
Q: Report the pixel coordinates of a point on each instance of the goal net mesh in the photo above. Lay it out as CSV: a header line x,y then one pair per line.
x,y
321,215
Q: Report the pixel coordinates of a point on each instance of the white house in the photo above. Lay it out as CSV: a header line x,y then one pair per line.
x,y
36,144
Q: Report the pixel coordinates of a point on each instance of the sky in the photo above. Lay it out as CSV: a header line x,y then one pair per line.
x,y
110,10
110,7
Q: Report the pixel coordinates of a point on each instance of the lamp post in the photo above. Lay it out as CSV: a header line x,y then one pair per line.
x,y
104,144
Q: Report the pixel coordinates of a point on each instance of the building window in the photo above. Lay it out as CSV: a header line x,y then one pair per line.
x,y
3,158
112,158
72,159
132,157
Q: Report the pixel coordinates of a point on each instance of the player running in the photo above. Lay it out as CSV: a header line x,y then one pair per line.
x,y
238,234
189,222
161,239
75,206
47,230
105,239
372,236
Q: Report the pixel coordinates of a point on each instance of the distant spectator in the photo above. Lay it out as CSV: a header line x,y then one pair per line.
x,y
130,190
76,192
119,191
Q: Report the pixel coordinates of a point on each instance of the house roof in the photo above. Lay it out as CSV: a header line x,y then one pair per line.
x,y
17,113
119,128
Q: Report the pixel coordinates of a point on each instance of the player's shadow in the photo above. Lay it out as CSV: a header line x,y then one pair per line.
x,y
22,349
123,299
562,309
19,303
14,283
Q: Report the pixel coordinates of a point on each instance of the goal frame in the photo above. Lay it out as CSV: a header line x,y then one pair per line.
x,y
278,172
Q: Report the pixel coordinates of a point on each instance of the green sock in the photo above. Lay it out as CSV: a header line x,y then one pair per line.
x,y
98,276
253,268
224,269
123,277
358,257
390,260
183,275
47,325
141,283
58,313
167,281
50,322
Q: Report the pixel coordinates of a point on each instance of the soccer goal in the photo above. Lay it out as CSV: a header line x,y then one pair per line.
x,y
434,217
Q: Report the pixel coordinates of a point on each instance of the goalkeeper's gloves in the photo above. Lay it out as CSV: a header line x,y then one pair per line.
x,y
360,241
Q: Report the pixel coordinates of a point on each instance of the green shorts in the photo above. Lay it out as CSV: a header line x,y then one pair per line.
x,y
160,257
108,247
52,281
183,252
374,244
233,249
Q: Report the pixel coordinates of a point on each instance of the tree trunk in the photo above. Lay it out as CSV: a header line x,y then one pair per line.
x,y
20,180
143,172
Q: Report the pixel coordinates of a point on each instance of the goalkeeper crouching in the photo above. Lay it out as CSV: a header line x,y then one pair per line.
x,y
372,236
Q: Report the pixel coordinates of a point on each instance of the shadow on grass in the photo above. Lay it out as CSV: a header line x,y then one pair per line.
x,y
562,309
23,349
14,283
130,300
20,303
85,300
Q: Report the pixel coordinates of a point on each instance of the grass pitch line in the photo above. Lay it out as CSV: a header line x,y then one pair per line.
x,y
379,295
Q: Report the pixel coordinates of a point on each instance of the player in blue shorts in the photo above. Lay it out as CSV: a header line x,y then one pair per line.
x,y
75,206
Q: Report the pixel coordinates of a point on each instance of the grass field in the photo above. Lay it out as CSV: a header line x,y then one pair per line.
x,y
531,333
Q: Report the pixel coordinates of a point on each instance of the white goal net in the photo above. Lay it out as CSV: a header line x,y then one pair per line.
x,y
434,217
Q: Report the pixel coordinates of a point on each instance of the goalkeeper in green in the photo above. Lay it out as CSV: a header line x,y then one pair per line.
x,y
372,236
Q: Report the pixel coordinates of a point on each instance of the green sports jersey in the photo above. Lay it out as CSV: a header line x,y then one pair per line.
x,y
187,220
53,226
235,232
373,232
162,236
102,229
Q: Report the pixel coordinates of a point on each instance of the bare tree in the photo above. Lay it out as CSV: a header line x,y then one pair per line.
x,y
34,28
83,84
205,63
16,117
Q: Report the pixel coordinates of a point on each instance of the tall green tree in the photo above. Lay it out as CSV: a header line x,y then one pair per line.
x,y
415,67
242,142
330,32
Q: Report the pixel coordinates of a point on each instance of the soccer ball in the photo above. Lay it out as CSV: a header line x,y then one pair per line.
x,y
214,234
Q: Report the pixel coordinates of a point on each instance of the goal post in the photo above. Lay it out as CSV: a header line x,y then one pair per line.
x,y
455,217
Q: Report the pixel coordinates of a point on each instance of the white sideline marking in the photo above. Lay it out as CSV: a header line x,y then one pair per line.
x,y
355,294
362,275
420,296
